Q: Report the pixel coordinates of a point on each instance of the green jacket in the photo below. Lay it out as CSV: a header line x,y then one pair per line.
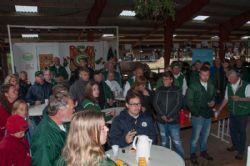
x,y
61,71
238,108
47,143
195,76
89,105
198,99
104,162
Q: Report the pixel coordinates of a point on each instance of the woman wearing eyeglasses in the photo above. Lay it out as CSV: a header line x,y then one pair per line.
x,y
86,136
131,122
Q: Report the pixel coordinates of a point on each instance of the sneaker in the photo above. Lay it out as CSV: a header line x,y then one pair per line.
x,y
231,149
205,155
239,156
193,159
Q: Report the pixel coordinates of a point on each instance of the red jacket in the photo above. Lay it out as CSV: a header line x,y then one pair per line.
x,y
3,119
14,151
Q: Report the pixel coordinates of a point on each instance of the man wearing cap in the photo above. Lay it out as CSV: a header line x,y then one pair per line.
x,y
49,137
14,148
39,91
237,96
179,79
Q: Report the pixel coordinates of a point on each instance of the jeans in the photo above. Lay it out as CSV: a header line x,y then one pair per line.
x,y
237,126
200,132
172,131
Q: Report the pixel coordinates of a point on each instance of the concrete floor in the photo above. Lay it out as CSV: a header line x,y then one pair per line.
x,y
216,148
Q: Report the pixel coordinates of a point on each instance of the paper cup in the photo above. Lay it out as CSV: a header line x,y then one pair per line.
x,y
115,149
46,101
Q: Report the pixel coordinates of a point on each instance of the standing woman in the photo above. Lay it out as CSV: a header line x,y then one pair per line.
x,y
7,98
89,125
140,86
167,103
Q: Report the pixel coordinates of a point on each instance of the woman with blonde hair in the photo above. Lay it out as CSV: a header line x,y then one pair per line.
x,y
13,80
86,136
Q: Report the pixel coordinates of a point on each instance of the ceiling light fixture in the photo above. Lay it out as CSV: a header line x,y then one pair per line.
x,y
248,22
108,35
245,37
174,35
200,18
127,13
26,9
30,35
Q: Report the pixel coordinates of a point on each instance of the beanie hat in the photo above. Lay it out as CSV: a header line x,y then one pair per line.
x,y
15,124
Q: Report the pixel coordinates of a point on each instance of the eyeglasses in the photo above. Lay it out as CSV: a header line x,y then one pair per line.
x,y
135,104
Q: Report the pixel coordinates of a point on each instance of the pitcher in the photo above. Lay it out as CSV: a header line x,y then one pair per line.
x,y
142,144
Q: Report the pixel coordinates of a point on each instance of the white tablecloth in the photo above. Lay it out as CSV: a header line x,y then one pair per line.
x,y
160,156
37,110
116,109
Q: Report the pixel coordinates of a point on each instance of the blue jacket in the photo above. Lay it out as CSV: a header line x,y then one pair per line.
x,y
38,92
124,123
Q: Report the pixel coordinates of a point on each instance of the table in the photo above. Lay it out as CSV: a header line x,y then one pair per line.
x,y
117,112
160,156
37,110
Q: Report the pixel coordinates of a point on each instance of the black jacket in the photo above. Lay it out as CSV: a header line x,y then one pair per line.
x,y
168,102
38,92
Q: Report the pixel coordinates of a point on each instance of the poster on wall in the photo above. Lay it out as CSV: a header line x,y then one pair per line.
x,y
79,52
204,55
45,60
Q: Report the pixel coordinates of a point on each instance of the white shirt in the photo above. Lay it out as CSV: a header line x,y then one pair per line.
x,y
114,86
62,127
204,84
184,84
235,88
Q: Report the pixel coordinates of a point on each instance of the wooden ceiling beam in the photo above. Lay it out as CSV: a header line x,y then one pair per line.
x,y
94,15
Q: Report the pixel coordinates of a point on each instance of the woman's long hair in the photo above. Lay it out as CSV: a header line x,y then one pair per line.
x,y
4,101
89,91
83,147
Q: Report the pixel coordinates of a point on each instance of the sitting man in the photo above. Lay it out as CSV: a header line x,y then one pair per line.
x,y
131,122
49,138
40,91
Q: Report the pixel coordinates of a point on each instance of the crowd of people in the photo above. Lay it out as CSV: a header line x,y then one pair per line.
x,y
73,131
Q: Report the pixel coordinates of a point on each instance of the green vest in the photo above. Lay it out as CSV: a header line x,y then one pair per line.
x,y
238,107
131,81
179,81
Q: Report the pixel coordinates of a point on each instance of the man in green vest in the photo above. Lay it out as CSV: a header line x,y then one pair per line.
x,y
200,101
59,71
179,79
237,96
49,138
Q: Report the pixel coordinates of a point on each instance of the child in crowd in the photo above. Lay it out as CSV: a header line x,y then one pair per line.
x,y
14,148
20,108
